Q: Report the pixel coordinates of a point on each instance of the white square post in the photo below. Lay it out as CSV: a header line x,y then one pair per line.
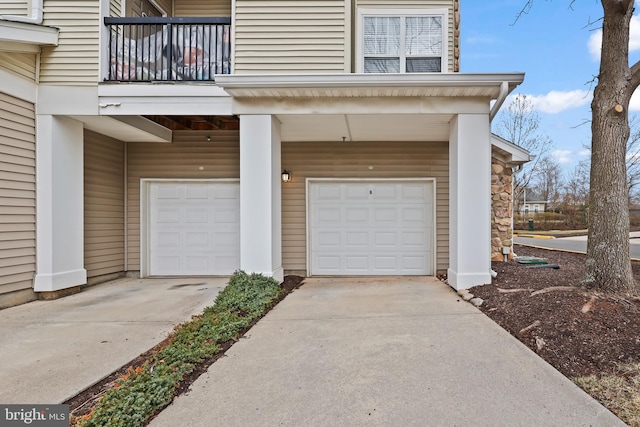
x,y
470,201
59,204
260,196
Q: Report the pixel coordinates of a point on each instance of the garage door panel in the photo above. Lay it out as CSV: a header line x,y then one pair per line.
x,y
227,215
357,192
385,215
196,216
167,216
194,228
360,228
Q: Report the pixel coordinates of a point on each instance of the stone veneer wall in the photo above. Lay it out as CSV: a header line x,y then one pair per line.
x,y
501,209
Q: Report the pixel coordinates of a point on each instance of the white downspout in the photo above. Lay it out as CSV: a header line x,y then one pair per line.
x,y
504,89
37,14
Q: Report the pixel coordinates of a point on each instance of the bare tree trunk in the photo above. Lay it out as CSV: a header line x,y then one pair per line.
x,y
608,265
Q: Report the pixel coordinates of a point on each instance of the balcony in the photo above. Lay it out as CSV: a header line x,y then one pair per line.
x,y
158,49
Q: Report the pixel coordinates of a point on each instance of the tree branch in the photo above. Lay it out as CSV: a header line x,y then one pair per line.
x,y
634,80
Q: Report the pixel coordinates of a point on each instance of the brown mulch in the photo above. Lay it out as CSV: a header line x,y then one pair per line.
x,y
84,402
578,332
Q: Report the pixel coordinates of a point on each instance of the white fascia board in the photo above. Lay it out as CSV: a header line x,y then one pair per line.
x,y
160,90
516,154
361,105
67,100
146,125
17,86
461,80
162,99
19,32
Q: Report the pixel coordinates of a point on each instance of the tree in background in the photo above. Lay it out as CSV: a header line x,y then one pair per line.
x,y
548,181
633,159
520,124
575,195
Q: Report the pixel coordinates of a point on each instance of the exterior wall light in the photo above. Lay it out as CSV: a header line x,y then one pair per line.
x,y
286,176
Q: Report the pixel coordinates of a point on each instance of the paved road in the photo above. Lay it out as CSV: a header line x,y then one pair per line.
x,y
576,243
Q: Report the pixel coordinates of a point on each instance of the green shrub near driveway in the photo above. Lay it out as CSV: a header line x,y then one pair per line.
x,y
148,389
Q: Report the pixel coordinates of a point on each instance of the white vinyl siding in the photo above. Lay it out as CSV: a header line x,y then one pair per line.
x,y
75,60
352,160
182,159
203,8
22,64
15,8
103,205
17,194
422,5
291,36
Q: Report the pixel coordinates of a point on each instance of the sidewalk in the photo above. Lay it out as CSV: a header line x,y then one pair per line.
x,y
381,352
51,350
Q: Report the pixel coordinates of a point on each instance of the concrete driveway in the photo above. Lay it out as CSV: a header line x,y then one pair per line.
x,y
381,352
51,350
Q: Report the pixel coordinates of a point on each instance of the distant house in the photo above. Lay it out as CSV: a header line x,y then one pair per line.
x,y
532,204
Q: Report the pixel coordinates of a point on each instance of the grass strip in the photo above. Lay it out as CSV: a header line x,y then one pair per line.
x,y
146,390
619,392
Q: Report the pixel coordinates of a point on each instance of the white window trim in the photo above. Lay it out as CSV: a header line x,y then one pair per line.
x,y
444,13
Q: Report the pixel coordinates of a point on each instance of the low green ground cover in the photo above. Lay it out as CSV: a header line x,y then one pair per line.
x,y
146,390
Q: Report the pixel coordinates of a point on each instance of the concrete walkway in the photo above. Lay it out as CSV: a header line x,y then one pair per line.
x,y
381,352
51,350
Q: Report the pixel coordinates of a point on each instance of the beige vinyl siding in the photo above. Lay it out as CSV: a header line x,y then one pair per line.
x,y
22,64
103,205
16,8
17,194
166,6
115,8
136,7
220,159
417,4
75,60
202,7
351,160
290,36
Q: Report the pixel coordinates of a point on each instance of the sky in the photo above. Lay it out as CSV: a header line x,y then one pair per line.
x,y
557,49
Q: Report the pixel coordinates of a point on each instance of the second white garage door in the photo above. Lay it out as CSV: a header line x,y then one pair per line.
x,y
194,228
371,227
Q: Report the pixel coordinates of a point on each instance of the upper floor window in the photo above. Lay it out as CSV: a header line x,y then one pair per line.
x,y
402,41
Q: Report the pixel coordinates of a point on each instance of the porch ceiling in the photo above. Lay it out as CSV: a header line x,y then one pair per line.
x,y
370,127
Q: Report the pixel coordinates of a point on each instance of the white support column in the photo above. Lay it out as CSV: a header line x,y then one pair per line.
x,y
470,201
59,204
260,196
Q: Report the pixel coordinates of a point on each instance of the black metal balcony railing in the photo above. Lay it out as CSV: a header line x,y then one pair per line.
x,y
168,49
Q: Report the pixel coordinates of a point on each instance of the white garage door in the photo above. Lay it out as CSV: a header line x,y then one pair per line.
x,y
371,228
194,228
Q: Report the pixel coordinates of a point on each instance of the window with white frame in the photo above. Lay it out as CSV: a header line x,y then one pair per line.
x,y
403,41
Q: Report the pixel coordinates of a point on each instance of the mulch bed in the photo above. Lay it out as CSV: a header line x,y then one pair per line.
x,y
83,402
578,332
